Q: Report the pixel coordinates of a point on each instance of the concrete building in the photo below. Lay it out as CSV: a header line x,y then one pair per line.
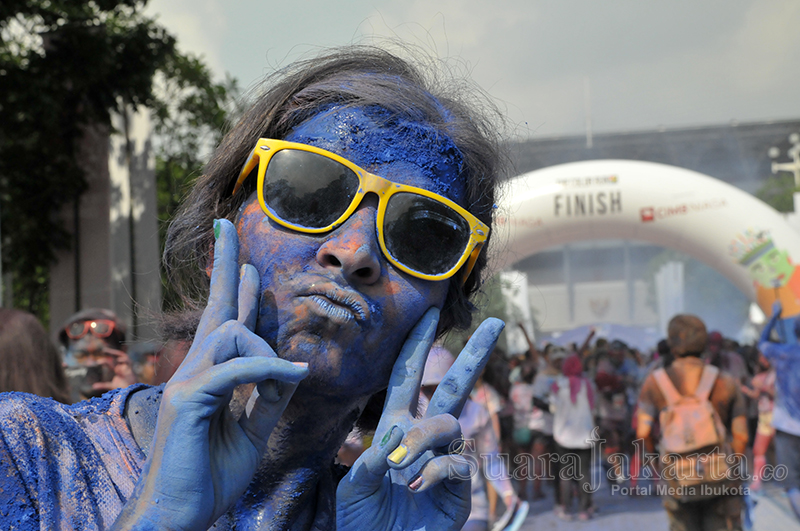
x,y
114,258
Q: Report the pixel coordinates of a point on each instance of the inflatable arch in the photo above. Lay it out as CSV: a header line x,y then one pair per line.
x,y
728,229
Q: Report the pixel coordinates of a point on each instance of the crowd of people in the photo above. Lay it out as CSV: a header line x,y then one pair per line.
x,y
607,404
548,409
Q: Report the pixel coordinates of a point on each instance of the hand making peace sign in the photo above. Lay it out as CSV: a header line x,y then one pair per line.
x,y
404,481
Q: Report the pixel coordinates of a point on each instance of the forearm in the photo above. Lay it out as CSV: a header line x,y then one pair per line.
x,y
644,430
765,334
739,434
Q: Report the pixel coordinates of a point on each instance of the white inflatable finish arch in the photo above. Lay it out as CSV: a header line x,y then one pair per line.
x,y
728,229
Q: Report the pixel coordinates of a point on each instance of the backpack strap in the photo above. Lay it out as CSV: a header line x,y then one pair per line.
x,y
671,395
707,380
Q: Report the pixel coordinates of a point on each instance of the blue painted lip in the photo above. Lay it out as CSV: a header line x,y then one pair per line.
x,y
341,305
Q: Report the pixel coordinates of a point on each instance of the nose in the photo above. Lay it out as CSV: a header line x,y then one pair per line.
x,y
353,248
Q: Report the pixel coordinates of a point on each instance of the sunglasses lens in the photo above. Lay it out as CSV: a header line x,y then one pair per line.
x,y
308,189
75,330
424,234
101,328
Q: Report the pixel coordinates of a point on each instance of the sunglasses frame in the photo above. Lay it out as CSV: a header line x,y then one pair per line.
x,y
87,328
368,182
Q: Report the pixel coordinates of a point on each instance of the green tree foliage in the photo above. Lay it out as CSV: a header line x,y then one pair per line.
x,y
65,65
778,192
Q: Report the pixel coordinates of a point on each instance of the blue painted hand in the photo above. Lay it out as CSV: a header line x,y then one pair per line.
x,y
202,458
402,482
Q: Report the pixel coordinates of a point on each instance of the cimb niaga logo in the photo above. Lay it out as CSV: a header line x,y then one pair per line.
x,y
650,213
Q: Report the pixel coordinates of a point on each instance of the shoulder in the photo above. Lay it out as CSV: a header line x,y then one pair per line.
x,y
649,388
21,413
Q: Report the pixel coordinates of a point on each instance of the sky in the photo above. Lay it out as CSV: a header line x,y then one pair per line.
x,y
628,65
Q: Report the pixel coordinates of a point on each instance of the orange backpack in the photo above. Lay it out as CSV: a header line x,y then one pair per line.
x,y
690,423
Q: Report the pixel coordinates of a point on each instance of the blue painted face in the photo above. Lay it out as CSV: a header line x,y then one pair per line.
x,y
333,300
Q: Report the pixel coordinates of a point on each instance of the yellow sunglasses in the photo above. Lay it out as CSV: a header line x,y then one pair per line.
x,y
308,189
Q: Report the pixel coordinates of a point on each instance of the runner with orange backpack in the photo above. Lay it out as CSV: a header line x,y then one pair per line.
x,y
697,406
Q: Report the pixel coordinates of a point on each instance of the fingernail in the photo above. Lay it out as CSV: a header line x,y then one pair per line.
x,y
387,436
301,364
415,483
241,269
399,454
216,229
271,391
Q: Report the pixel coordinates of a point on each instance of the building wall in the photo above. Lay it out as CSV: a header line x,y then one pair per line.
x,y
114,258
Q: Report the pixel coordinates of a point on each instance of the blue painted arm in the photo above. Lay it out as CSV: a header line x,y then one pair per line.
x,y
405,480
202,459
776,314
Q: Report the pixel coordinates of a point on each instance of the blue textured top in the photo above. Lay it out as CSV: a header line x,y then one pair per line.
x,y
65,467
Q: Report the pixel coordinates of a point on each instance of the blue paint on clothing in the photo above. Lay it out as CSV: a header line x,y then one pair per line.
x,y
65,467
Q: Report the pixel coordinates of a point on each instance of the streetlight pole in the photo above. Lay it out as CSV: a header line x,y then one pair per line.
x,y
794,154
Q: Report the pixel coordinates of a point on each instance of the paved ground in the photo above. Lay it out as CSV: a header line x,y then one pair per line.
x,y
636,513
614,512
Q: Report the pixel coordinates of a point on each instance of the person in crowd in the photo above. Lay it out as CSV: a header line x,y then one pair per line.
x,y
170,356
541,422
615,377
93,342
762,391
722,354
481,445
785,359
689,375
521,397
485,394
29,362
143,357
665,357
336,232
573,423
592,356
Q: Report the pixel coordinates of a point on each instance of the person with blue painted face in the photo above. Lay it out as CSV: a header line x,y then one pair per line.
x,y
335,233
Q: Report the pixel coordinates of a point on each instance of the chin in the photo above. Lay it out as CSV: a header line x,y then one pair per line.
x,y
334,370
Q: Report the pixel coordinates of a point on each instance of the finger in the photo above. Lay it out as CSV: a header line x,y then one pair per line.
x,y
265,408
369,470
407,371
115,353
248,296
453,471
224,279
428,434
230,340
211,385
454,389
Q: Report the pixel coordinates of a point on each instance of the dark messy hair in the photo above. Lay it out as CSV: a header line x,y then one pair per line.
x,y
29,361
355,76
687,335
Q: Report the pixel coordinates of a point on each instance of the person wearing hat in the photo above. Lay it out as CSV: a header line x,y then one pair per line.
x,y
480,443
94,353
687,338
